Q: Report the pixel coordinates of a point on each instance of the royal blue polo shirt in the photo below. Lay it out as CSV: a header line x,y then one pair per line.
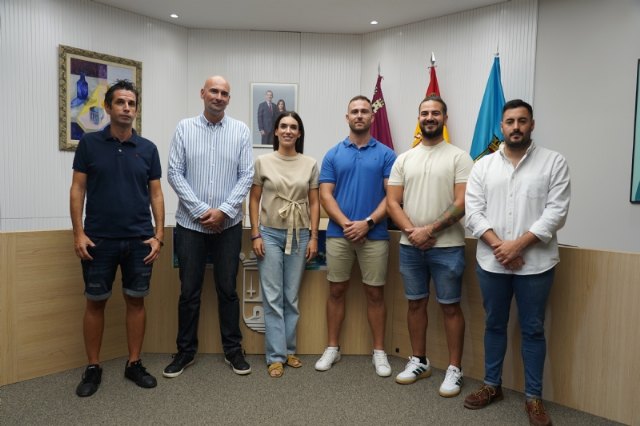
x,y
358,175
118,175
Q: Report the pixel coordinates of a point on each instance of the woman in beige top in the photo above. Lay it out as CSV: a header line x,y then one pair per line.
x,y
284,196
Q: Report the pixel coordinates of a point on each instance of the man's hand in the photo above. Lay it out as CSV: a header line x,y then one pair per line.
x,y
356,231
213,219
81,244
421,237
507,251
155,250
516,264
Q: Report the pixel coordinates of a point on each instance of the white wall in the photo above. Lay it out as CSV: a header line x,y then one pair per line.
x,y
34,175
464,45
585,87
576,48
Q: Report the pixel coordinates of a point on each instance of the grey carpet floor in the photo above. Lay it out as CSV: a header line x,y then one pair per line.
x,y
209,393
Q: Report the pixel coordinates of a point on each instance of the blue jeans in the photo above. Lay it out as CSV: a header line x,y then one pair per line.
x,y
444,264
192,248
531,292
280,277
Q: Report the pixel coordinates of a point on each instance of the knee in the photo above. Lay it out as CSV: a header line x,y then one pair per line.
x,y
134,303
375,295
337,292
452,310
96,306
419,305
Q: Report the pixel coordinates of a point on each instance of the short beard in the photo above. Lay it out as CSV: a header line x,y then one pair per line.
x,y
523,145
433,134
361,131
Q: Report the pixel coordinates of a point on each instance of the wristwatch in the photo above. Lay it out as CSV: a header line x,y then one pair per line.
x,y
370,222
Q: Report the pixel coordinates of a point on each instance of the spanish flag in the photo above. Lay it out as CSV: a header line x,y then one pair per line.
x,y
433,89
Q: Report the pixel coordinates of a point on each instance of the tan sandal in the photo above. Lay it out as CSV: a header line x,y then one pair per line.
x,y
293,361
276,370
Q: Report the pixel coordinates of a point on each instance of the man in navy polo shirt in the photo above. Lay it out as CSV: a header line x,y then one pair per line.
x,y
353,182
119,173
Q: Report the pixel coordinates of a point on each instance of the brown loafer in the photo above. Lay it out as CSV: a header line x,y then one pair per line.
x,y
483,397
537,414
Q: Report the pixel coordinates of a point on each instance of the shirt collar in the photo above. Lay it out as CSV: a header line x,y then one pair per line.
x,y
526,154
371,144
207,123
106,134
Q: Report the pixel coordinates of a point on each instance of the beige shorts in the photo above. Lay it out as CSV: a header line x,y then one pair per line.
x,y
372,258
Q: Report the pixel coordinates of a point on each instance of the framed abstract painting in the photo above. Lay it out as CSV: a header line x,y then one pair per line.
x,y
84,77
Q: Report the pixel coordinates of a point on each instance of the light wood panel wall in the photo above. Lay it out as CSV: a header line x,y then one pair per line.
x,y
592,320
162,312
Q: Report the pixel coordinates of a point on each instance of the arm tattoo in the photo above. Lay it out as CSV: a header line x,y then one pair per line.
x,y
450,216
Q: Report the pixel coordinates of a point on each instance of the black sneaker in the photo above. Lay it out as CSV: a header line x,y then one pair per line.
x,y
91,379
238,364
180,361
138,374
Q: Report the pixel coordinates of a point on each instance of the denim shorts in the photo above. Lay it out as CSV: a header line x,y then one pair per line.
x,y
107,254
444,264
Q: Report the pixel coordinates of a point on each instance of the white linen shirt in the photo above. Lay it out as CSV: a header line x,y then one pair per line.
x,y
210,166
533,196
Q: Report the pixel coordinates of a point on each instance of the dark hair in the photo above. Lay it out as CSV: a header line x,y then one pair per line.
x,y
283,104
360,98
300,141
434,98
517,103
120,85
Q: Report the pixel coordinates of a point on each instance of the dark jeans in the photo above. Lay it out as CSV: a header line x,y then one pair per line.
x,y
531,293
192,248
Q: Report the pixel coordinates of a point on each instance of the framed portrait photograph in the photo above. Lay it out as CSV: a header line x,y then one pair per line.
x,y
268,101
84,77
635,165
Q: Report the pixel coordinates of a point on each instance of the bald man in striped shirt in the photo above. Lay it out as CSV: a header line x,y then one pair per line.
x,y
211,170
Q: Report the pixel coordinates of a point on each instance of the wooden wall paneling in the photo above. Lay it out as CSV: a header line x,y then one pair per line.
x,y
49,307
593,333
8,370
592,320
162,303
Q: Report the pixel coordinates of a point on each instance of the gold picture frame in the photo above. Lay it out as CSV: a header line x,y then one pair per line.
x,y
83,79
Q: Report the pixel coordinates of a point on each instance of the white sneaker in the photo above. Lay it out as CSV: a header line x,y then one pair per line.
x,y
452,382
330,356
413,371
380,361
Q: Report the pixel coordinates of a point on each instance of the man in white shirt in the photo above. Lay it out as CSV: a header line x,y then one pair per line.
x,y
425,199
517,199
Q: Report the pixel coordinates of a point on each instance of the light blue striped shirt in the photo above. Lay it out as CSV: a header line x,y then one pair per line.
x,y
210,166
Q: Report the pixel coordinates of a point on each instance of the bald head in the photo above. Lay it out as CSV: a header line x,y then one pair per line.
x,y
215,94
217,79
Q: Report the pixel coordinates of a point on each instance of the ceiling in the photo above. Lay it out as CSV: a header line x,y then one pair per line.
x,y
313,16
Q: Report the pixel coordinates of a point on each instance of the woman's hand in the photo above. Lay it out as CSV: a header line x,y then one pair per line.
x,y
258,247
312,248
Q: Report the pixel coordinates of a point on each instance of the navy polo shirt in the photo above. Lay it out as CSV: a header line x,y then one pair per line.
x,y
118,175
358,175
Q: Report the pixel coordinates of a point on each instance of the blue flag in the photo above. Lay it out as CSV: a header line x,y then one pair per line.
x,y
488,136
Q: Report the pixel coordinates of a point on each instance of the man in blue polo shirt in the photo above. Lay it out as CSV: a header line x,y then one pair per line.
x,y
353,182
119,173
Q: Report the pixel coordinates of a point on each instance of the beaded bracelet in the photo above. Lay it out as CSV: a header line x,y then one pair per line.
x,y
255,237
158,240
